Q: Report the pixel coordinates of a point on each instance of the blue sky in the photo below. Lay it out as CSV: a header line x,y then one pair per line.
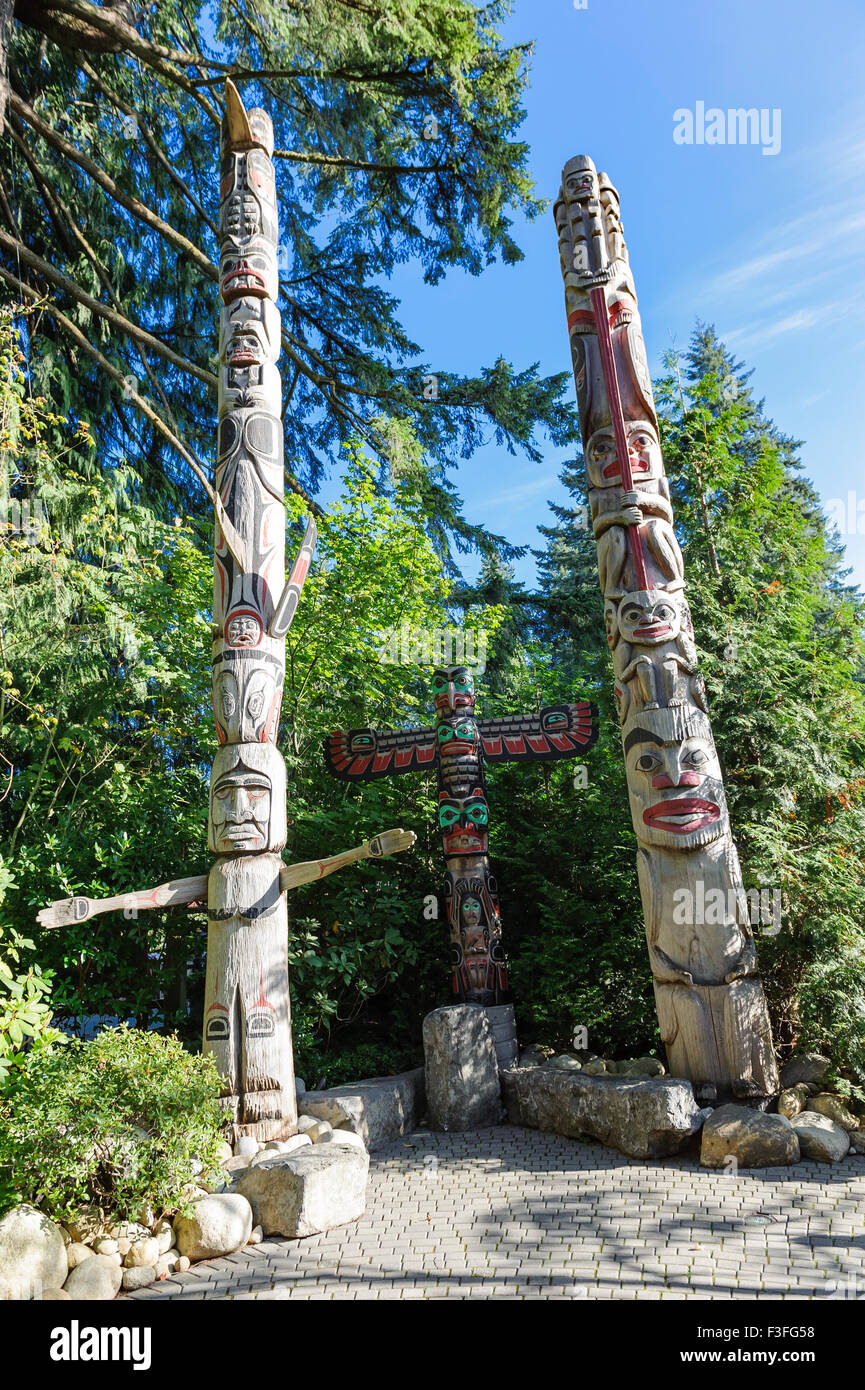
x,y
769,248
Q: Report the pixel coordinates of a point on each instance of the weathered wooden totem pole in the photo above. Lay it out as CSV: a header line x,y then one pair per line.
x,y
457,747
247,1015
709,996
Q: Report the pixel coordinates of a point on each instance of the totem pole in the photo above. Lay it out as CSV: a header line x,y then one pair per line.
x,y
457,747
247,1024
709,997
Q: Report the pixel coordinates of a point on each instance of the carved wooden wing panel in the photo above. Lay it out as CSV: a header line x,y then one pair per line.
x,y
556,731
359,755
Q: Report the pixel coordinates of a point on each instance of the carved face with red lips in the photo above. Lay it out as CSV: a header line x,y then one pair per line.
x,y
453,689
649,617
464,823
243,629
580,179
644,452
674,779
249,272
457,737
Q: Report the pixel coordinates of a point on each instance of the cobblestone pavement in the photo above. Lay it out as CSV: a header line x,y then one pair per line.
x,y
513,1213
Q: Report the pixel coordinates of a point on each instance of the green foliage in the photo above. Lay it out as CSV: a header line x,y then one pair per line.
x,y
780,639
396,131
25,1009
123,1121
104,718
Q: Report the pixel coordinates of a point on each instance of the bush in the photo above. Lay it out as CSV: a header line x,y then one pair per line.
x,y
25,1013
124,1122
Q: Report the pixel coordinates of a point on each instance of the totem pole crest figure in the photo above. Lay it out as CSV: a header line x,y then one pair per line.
x,y
247,1021
456,747
709,997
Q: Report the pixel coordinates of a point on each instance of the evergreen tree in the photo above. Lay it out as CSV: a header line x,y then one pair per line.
x,y
396,139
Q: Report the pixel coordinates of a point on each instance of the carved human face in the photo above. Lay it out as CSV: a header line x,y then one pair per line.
x,y
453,689
580,184
243,630
241,811
644,453
246,700
249,272
674,779
471,910
457,737
247,800
649,617
464,823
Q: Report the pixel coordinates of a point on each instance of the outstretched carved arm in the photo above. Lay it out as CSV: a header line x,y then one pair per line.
x,y
67,911
389,842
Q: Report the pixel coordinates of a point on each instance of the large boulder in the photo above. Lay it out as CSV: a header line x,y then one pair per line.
x,y
810,1067
793,1100
462,1073
833,1106
820,1138
378,1109
753,1139
857,1141
303,1193
219,1225
641,1118
32,1253
95,1281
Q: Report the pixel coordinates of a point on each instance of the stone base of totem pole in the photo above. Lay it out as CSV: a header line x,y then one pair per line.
x,y
504,1025
463,1089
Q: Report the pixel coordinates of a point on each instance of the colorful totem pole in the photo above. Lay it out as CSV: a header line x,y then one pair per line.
x,y
247,1023
709,996
456,747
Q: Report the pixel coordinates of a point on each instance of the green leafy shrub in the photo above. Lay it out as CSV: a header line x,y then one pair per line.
x,y
25,1012
125,1121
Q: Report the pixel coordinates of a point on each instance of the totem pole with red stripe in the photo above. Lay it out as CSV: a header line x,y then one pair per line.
x,y
710,1001
456,748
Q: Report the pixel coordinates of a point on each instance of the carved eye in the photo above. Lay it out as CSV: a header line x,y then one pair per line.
x,y
632,615
554,720
664,614
696,757
229,705
448,816
439,685
647,762
477,812
255,705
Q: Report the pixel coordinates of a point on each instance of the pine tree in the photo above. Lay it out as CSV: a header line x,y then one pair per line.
x,y
396,139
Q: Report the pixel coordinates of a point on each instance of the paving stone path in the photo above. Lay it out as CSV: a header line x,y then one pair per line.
x,y
509,1212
